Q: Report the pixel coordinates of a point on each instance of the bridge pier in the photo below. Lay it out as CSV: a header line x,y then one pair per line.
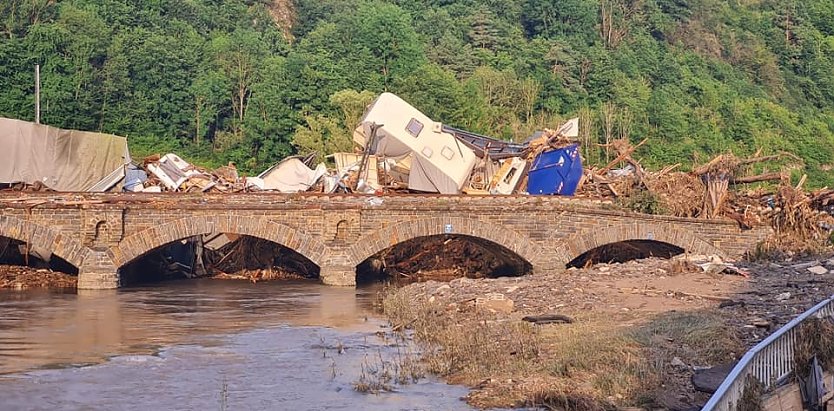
x,y
98,272
342,276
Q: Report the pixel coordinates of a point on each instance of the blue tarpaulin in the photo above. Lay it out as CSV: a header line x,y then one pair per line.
x,y
556,172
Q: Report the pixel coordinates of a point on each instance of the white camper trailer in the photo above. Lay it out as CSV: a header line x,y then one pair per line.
x,y
440,163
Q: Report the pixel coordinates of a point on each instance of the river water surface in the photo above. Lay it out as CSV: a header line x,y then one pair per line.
x,y
200,345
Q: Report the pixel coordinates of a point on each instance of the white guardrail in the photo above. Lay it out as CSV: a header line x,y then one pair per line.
x,y
770,361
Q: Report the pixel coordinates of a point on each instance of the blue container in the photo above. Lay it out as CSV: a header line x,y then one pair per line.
x,y
556,172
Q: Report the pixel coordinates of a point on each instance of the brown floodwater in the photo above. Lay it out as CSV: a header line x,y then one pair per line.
x,y
201,345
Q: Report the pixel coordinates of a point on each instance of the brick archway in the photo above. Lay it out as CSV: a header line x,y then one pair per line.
x,y
589,239
48,238
395,234
142,242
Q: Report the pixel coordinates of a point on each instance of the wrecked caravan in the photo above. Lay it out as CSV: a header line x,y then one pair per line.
x,y
556,172
391,128
291,175
173,171
62,160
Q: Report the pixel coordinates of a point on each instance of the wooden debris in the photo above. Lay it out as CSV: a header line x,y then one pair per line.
x,y
549,140
625,151
777,176
548,319
21,278
256,260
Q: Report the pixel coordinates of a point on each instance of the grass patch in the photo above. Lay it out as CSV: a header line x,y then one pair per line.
x,y
593,364
814,338
594,350
697,336
382,373
464,345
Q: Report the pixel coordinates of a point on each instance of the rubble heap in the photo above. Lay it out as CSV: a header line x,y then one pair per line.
x,y
22,278
400,149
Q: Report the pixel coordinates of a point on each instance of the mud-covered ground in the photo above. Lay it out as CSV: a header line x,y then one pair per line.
x,y
776,293
660,306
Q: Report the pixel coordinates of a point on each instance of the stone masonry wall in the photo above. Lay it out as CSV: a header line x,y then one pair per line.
x,y
101,232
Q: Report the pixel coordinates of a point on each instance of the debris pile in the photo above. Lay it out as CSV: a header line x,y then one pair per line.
x,y
801,220
441,259
253,259
400,149
22,278
172,173
704,192
549,163
28,187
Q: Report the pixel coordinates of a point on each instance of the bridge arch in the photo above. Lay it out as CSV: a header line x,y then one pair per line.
x,y
142,242
390,236
589,239
67,248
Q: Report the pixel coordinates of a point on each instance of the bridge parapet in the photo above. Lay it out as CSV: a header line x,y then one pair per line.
x,y
100,233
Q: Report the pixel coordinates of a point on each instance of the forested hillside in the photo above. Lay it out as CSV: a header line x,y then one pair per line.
x,y
251,81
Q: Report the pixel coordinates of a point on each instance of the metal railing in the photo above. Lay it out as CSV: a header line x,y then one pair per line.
x,y
770,362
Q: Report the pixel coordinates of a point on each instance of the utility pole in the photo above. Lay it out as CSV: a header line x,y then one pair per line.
x,y
37,93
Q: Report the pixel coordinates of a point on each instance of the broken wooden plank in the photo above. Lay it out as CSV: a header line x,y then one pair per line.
x,y
622,157
775,176
548,319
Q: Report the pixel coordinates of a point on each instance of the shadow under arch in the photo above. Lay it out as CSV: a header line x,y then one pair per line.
x,y
63,246
587,240
623,251
145,241
441,258
401,232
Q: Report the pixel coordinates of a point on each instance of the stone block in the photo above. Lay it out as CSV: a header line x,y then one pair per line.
x,y
98,281
495,302
338,276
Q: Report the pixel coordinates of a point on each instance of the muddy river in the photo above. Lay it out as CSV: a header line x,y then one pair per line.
x,y
200,345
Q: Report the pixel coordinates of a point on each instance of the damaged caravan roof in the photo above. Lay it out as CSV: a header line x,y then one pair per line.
x,y
393,128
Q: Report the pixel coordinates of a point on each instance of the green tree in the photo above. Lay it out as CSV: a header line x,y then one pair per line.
x,y
238,56
549,18
694,76
352,105
321,135
209,91
385,31
436,92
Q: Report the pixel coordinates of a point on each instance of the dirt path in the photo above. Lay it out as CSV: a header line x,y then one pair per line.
x,y
641,288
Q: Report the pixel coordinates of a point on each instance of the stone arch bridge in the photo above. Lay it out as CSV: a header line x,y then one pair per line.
x,y
100,233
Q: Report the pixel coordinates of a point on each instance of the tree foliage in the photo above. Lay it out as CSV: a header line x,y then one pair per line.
x,y
222,80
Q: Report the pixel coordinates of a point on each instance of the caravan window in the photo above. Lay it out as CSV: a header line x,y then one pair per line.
x,y
414,127
509,176
448,153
